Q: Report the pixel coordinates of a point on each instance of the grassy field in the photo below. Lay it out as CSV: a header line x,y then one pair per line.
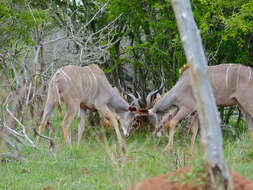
x,y
96,165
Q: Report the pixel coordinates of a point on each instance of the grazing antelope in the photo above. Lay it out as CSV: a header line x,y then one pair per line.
x,y
86,88
232,85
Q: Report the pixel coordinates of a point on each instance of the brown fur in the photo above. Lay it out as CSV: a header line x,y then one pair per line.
x,y
232,84
85,88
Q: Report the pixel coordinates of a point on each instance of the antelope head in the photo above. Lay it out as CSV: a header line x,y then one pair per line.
x,y
127,119
154,113
144,115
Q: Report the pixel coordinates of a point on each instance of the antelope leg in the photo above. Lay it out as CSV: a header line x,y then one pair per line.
x,y
182,113
81,125
69,116
249,120
105,112
194,131
246,107
49,106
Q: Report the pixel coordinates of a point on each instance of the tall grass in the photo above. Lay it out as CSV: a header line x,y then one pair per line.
x,y
97,165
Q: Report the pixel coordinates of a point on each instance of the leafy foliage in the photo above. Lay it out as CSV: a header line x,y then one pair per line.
x,y
19,19
147,32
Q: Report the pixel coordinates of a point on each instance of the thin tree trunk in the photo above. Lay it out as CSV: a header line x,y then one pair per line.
x,y
228,115
211,136
238,119
222,114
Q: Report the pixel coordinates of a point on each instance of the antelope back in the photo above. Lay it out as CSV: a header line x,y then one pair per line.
x,y
82,84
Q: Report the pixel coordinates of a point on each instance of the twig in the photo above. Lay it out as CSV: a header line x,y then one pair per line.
x,y
100,10
51,142
27,99
23,127
55,40
43,136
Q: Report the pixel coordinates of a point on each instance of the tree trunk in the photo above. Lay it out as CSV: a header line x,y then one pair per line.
x,y
238,120
211,137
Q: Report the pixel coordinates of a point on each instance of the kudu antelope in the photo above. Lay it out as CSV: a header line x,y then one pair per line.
x,y
232,85
82,88
135,103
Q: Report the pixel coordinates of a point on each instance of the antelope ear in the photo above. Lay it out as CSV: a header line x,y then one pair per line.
x,y
132,109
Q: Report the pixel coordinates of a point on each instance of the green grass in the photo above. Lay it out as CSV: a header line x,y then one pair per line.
x,y
96,165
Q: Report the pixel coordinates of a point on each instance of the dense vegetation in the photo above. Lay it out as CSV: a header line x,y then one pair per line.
x,y
144,35
135,42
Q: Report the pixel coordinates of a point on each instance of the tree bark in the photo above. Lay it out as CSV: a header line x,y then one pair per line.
x,y
211,136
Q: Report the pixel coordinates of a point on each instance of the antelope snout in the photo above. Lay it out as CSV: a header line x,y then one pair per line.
x,y
126,134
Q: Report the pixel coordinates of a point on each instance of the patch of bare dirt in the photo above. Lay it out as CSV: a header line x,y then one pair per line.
x,y
162,182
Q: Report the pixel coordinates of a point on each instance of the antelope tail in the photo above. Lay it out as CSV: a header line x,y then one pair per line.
x,y
57,97
56,93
